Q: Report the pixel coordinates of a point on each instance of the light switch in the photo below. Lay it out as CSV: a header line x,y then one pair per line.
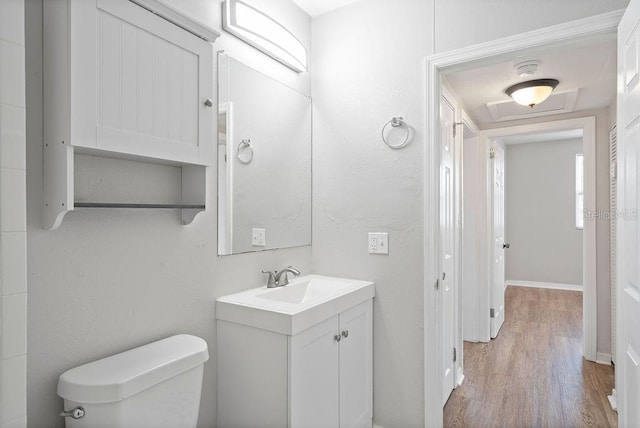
x,y
258,237
378,243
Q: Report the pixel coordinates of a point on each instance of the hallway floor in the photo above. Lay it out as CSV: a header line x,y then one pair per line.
x,y
533,373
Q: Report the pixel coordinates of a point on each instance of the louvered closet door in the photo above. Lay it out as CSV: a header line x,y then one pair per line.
x,y
150,82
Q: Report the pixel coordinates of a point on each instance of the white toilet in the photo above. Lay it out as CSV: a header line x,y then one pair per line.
x,y
155,385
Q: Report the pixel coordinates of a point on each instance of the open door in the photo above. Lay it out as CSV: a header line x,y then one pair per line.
x,y
497,234
628,335
447,246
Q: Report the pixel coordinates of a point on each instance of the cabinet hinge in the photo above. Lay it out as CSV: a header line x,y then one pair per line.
x,y
492,153
455,355
492,313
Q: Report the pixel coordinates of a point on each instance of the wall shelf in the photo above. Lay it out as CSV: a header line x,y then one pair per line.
x,y
136,206
137,87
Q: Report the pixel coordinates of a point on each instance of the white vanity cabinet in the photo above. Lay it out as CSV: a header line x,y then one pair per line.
x,y
320,377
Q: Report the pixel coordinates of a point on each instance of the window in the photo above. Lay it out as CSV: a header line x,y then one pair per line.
x,y
579,192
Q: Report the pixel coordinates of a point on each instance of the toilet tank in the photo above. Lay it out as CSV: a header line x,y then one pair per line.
x,y
156,385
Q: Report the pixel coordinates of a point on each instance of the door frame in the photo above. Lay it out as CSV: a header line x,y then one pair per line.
x,y
588,127
468,57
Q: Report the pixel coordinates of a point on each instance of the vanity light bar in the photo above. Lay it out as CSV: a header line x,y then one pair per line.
x,y
264,33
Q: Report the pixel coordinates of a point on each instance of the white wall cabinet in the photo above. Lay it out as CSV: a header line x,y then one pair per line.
x,y
122,81
321,377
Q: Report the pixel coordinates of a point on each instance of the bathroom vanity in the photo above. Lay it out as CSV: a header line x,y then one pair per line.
x,y
296,356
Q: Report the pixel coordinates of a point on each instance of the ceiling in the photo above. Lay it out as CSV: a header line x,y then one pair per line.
x,y
318,7
589,68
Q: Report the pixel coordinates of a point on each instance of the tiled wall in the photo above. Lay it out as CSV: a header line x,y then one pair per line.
x,y
13,272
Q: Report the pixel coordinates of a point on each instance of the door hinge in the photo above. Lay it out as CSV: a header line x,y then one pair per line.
x,y
455,124
455,355
437,286
492,313
492,153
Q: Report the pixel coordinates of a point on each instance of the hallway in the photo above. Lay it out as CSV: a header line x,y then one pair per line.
x,y
533,373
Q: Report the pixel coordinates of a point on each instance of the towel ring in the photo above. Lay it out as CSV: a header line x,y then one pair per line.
x,y
245,151
397,122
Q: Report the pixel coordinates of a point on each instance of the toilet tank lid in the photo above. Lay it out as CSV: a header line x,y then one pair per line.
x,y
122,375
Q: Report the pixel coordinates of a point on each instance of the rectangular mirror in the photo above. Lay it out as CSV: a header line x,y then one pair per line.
x,y
264,161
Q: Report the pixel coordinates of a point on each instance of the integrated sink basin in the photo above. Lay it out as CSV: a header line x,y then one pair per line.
x,y
290,309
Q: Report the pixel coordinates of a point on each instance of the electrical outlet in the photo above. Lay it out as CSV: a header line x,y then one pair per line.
x,y
373,243
378,243
258,238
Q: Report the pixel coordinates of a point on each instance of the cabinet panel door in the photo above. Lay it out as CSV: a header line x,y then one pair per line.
x,y
314,376
356,366
151,82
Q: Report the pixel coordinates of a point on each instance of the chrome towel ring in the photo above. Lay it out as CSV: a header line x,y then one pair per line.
x,y
397,122
245,151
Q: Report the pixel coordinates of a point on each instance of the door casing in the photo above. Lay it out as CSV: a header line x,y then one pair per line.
x,y
588,127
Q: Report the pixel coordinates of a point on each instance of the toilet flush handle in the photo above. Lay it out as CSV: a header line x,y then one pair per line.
x,y
77,413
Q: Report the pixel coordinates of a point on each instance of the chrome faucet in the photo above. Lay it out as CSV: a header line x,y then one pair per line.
x,y
275,278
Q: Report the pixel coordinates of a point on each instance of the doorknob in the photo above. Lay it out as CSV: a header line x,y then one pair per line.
x,y
506,245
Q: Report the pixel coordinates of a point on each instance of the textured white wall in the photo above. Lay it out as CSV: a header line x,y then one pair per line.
x,y
463,23
540,213
368,61
109,280
13,254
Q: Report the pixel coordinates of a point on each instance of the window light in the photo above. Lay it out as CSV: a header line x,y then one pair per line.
x,y
579,192
264,33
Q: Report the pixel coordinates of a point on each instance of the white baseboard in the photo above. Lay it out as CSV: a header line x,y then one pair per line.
x,y
602,358
550,285
613,400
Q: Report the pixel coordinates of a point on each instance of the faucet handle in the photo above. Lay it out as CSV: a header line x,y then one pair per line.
x,y
271,281
285,280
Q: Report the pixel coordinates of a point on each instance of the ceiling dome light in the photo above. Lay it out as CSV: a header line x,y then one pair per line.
x,y
532,92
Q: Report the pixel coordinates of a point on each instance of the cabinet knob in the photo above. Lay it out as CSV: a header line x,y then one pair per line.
x,y
345,334
208,102
337,338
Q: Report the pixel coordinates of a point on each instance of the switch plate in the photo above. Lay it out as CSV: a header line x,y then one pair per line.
x,y
258,237
378,243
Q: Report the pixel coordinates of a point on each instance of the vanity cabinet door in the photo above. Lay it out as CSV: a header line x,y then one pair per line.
x,y
140,85
356,366
314,376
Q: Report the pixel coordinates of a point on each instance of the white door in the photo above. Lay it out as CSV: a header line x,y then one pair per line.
x,y
497,234
628,337
314,381
356,366
447,245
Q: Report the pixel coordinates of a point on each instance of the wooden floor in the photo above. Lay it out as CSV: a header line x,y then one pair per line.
x,y
533,373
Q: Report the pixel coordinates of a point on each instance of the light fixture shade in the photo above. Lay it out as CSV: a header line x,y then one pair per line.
x,y
264,33
532,92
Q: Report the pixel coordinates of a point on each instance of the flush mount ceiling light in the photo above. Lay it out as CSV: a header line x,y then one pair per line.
x,y
264,33
532,92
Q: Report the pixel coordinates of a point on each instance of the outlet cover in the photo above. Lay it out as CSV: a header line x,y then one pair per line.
x,y
258,237
378,243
